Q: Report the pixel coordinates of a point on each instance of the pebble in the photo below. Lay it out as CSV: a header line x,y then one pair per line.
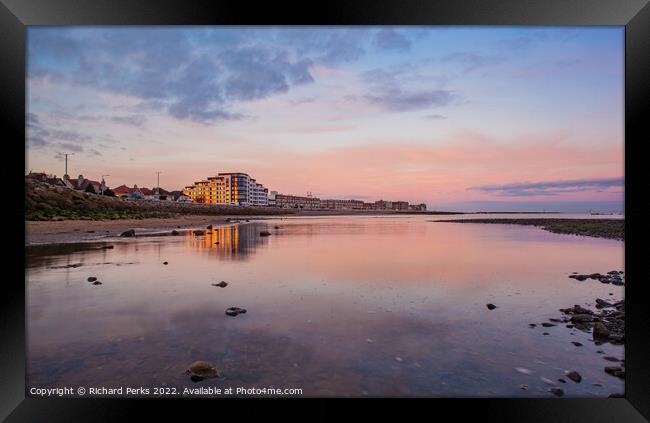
x,y
558,392
573,375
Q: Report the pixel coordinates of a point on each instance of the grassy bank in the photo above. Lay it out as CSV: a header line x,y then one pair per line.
x,y
600,228
47,202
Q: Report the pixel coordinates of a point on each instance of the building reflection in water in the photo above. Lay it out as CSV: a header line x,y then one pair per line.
x,y
233,242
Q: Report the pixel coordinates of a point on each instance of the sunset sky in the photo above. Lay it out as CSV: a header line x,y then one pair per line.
x,y
460,118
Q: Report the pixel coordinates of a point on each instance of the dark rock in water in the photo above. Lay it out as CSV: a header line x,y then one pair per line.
x,y
216,243
108,247
199,232
577,344
616,395
617,371
97,283
553,319
602,303
129,233
579,277
221,284
532,325
600,331
548,325
209,227
570,326
490,306
165,263
247,220
523,386
618,282
546,333
265,233
581,318
92,279
558,392
200,370
610,358
561,380
235,311
573,375
276,227
175,232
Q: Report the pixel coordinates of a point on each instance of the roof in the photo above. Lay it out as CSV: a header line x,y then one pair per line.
x,y
122,189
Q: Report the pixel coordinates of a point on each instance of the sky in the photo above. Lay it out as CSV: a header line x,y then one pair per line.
x,y
459,118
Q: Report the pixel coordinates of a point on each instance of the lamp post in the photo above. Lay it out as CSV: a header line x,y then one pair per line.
x,y
104,183
158,183
66,162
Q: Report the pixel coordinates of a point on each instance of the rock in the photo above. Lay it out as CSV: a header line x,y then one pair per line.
x,y
546,333
581,318
490,306
97,283
569,326
235,311
602,303
216,243
618,282
532,325
523,386
553,319
221,284
108,247
573,375
617,371
175,232
200,370
165,263
129,233
561,380
548,325
579,277
199,232
558,392
610,358
276,227
92,279
209,227
265,233
600,331
577,344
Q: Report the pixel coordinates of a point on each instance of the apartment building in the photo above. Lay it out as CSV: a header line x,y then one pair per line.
x,y
341,204
228,188
295,201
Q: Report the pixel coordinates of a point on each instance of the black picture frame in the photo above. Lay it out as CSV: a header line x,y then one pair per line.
x,y
16,15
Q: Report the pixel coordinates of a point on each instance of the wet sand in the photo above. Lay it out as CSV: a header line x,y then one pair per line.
x,y
66,231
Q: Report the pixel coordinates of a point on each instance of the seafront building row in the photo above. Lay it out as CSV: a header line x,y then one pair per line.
x,y
239,189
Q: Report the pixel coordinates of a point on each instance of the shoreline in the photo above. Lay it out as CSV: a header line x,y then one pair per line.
x,y
48,232
596,228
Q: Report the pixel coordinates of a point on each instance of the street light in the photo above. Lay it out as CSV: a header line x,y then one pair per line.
x,y
66,162
102,186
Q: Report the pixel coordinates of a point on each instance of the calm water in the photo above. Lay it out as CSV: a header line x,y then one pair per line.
x,y
336,306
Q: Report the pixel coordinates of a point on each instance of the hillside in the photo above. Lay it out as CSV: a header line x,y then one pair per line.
x,y
48,202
